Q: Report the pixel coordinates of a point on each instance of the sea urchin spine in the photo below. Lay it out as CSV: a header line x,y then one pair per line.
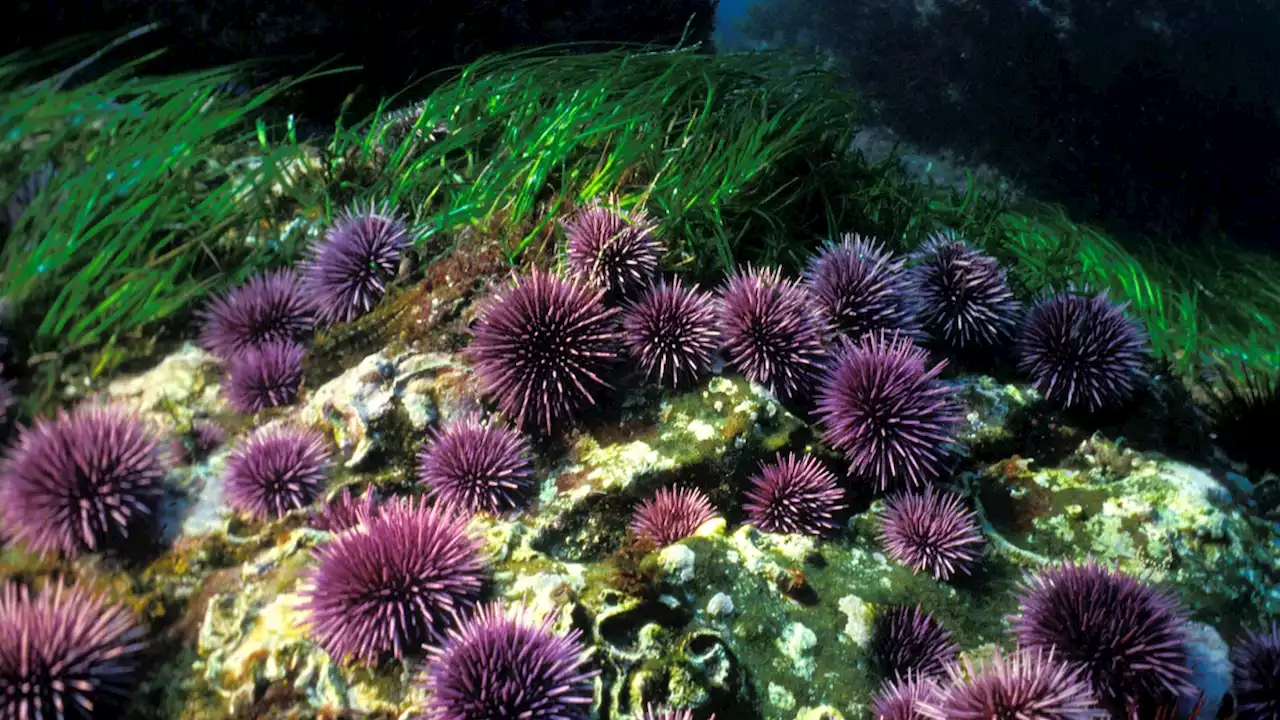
x,y
771,333
670,331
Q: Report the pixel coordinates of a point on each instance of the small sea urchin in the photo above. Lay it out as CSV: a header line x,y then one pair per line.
x,y
903,698
771,333
881,404
1081,351
265,377
963,296
1129,638
267,308
907,641
794,495
1024,686
278,469
541,349
860,288
613,253
195,445
671,514
477,466
65,653
83,481
345,273
1255,666
412,574
506,664
670,331
931,531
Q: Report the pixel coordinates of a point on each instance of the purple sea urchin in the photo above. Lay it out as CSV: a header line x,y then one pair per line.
x,y
542,347
907,641
278,469
265,377
345,511
477,466
271,307
881,404
65,653
412,574
794,495
963,296
1256,671
670,331
506,664
345,273
611,252
1128,638
7,398
671,514
1024,686
1081,351
902,698
771,333
860,288
931,531
83,481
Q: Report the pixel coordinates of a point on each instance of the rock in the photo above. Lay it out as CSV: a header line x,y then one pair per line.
x,y
720,605
378,397
181,386
679,562
1209,658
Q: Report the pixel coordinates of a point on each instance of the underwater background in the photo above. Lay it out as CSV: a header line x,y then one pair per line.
x,y
783,359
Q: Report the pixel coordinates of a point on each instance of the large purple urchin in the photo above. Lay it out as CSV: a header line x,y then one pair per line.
x,y
613,253
506,664
902,698
1255,666
278,469
265,377
671,514
271,307
82,481
1081,351
345,273
881,404
794,495
931,531
907,641
1128,638
861,288
542,348
411,575
65,653
963,296
670,331
477,466
1028,685
770,331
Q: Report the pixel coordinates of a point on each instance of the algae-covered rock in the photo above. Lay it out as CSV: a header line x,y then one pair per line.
x,y
179,387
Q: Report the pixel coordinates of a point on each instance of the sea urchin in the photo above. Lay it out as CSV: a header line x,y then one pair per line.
x,y
963,296
477,466
907,641
65,653
1081,351
794,495
1128,637
671,514
931,531
83,481
278,469
506,664
265,377
611,252
771,333
883,406
271,307
1028,685
1256,670
541,349
861,288
345,273
670,331
412,574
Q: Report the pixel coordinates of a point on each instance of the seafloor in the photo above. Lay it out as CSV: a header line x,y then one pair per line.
x,y
731,619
